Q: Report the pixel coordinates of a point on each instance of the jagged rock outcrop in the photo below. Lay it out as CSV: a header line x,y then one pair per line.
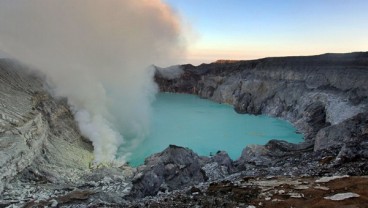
x,y
169,170
178,167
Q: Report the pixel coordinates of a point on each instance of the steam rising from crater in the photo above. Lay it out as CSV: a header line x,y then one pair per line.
x,y
96,53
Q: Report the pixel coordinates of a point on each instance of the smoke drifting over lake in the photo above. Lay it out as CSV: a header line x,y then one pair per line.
x,y
96,53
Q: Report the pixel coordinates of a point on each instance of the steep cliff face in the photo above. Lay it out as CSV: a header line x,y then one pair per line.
x,y
312,92
38,134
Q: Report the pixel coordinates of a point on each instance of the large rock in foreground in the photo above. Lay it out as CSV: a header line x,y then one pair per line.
x,y
171,169
178,167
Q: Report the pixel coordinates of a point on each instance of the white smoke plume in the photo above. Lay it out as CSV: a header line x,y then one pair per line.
x,y
96,53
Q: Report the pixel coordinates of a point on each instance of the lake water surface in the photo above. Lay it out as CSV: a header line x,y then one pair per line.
x,y
206,127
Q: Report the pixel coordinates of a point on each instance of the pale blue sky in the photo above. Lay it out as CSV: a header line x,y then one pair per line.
x,y
244,29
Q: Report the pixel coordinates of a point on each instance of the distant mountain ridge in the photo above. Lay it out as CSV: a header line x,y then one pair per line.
x,y
341,56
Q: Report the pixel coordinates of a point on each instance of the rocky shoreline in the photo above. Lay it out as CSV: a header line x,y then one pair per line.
x,y
325,97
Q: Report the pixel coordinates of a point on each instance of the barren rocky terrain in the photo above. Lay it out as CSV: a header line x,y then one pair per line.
x,y
44,160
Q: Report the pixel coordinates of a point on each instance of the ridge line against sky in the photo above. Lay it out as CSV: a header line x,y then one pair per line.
x,y
244,29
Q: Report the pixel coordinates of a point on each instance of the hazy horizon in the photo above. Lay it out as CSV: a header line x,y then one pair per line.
x,y
244,30
247,30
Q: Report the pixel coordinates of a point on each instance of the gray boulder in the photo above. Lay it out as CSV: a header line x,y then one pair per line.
x,y
173,168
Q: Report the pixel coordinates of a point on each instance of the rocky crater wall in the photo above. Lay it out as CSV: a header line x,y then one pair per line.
x,y
39,138
44,160
318,94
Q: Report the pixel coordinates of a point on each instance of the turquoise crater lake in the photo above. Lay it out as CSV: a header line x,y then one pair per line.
x,y
206,127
